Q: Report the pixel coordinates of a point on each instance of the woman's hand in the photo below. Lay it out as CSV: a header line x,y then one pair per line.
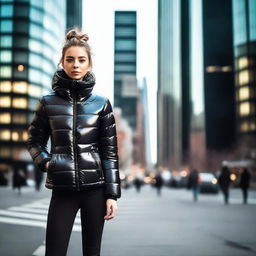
x,y
47,165
111,209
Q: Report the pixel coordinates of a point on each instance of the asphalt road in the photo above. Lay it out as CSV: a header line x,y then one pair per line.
x,y
145,225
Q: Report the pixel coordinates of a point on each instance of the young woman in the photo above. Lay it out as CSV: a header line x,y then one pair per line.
x,y
82,166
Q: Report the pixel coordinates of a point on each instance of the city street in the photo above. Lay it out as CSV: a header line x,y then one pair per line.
x,y
146,225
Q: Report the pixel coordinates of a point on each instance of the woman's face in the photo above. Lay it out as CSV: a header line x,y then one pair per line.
x,y
76,62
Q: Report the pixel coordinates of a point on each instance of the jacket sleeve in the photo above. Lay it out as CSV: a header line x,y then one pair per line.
x,y
38,135
109,152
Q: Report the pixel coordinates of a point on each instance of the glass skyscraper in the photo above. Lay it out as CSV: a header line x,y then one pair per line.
x,y
30,33
169,151
244,27
125,82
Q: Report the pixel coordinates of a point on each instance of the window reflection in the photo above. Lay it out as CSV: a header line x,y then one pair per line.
x,y
19,102
5,152
5,71
244,108
5,134
5,118
5,56
6,26
244,93
6,10
19,118
5,86
125,45
34,91
6,41
22,26
243,77
5,101
20,87
243,62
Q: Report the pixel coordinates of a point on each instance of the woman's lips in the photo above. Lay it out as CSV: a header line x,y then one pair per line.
x,y
75,72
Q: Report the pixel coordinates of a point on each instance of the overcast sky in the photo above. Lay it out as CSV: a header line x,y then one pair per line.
x,y
98,23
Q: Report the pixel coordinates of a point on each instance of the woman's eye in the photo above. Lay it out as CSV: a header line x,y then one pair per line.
x,y
82,60
69,60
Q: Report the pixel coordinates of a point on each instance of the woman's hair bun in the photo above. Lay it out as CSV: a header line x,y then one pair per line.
x,y
73,33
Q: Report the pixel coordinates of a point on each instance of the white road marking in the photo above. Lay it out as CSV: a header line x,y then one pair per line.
x,y
40,251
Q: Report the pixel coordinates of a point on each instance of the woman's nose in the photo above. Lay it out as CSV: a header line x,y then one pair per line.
x,y
76,64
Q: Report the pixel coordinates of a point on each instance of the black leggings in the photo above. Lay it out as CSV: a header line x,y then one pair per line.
x,y
62,212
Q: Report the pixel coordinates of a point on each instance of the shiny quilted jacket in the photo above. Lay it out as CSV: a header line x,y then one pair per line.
x,y
82,129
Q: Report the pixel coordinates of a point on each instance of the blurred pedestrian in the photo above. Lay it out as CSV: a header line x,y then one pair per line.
x,y
245,183
82,167
18,179
193,183
137,183
159,183
224,181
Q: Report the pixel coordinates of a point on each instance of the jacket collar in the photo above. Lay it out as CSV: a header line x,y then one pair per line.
x,y
66,87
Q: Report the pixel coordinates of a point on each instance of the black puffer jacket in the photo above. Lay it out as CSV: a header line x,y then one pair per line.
x,y
82,129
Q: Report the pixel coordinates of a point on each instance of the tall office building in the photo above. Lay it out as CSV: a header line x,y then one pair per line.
x,y
74,14
169,152
196,107
30,44
244,27
125,82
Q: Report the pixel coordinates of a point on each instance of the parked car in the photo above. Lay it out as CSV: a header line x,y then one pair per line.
x,y
208,183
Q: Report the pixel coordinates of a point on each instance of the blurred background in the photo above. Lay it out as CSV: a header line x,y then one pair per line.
x,y
180,75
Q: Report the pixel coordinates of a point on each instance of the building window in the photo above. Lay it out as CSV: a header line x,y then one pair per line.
x,y
22,11
36,15
127,45
5,118
19,102
35,75
5,56
35,45
34,91
6,41
244,108
125,57
244,93
5,71
244,77
20,42
6,11
244,126
20,57
5,134
125,68
253,125
6,26
243,62
35,30
5,86
126,18
125,31
5,101
19,118
19,135
20,87
24,136
15,136
5,152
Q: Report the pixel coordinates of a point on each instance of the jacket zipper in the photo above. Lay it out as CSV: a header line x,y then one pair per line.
x,y
74,137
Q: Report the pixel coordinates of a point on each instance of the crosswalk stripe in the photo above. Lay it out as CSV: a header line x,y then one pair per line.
x,y
40,251
29,216
32,223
